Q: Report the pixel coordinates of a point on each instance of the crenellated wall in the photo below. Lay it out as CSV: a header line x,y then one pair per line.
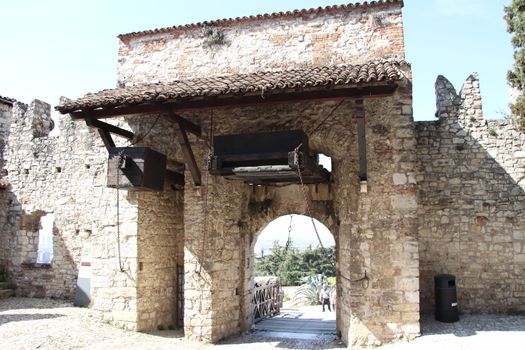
x,y
471,187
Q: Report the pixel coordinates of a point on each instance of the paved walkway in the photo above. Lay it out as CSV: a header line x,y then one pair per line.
x,y
49,324
300,323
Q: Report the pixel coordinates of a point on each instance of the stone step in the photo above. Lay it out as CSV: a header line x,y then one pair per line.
x,y
6,293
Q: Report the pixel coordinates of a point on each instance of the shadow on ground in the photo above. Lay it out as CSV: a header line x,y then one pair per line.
x,y
6,318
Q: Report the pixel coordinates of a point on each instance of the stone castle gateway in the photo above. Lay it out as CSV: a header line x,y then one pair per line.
x,y
406,200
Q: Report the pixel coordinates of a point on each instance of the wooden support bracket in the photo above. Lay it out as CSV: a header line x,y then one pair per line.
x,y
95,123
186,124
185,146
106,138
105,130
361,137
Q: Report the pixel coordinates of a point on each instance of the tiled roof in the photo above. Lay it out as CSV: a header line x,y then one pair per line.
x,y
239,85
7,100
295,13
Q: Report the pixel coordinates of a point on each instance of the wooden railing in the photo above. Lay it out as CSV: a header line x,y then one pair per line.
x,y
267,299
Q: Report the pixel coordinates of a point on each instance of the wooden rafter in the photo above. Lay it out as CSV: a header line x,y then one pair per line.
x,y
106,138
109,128
186,124
184,143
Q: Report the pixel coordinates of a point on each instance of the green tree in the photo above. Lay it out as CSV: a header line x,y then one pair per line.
x,y
515,17
292,266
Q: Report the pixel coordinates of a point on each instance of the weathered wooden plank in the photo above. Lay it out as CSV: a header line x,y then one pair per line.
x,y
110,128
189,158
106,138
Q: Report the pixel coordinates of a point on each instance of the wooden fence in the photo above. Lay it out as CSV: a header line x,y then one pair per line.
x,y
267,299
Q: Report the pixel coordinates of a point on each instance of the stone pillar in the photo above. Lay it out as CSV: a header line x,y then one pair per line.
x,y
212,258
382,239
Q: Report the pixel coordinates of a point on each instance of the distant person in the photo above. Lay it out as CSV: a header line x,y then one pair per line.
x,y
324,297
333,299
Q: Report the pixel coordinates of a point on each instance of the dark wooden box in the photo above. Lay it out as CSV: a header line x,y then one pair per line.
x,y
266,148
136,168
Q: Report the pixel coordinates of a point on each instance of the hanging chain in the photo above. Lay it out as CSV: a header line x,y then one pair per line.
x,y
309,211
365,281
289,241
206,189
119,165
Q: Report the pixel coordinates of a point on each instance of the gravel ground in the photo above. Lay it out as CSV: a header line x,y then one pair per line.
x,y
50,324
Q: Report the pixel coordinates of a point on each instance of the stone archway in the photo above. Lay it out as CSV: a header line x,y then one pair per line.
x,y
291,226
268,203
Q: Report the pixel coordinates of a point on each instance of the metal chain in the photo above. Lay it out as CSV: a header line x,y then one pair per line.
x,y
288,241
365,281
119,165
206,189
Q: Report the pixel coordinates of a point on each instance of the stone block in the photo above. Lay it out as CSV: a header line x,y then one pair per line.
x,y
403,202
400,179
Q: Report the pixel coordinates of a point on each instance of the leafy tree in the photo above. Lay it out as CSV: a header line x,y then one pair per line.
x,y
515,17
292,266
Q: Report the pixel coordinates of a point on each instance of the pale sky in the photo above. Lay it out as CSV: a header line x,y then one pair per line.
x,y
69,47
56,48
302,233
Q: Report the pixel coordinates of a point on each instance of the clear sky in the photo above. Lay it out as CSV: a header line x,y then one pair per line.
x,y
69,47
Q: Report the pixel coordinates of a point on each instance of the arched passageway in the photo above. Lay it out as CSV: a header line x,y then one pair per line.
x,y
294,255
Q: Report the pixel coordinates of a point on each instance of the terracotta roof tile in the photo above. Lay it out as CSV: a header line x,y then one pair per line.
x,y
7,100
240,84
295,13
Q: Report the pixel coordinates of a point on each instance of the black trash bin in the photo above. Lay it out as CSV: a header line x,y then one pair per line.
x,y
446,299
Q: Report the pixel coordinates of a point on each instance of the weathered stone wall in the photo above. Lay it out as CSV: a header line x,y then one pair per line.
x,y
472,203
5,119
64,175
317,38
39,173
375,231
160,250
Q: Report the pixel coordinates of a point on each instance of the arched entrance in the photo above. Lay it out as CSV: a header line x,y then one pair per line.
x,y
294,262
289,248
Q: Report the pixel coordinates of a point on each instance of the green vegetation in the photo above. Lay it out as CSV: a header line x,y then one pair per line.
x,y
293,266
515,17
492,131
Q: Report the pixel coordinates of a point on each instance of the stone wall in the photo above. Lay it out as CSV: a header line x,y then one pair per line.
x,y
376,231
472,203
160,251
39,171
318,38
